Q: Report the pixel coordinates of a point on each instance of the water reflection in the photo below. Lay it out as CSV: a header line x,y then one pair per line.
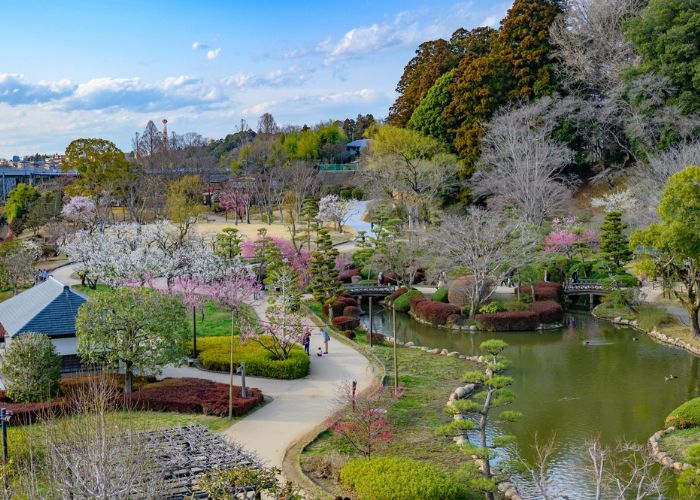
x,y
586,379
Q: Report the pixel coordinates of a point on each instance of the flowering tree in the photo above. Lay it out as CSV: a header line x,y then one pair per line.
x,y
17,263
364,424
238,202
332,209
80,210
235,289
300,260
568,238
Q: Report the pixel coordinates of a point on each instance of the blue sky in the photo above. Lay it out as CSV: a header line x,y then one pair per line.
x,y
103,68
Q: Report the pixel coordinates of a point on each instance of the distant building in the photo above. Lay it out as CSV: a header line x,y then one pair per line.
x,y
355,148
16,158
49,308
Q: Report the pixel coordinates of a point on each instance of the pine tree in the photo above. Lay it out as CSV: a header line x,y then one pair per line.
x,y
227,243
614,246
325,285
307,214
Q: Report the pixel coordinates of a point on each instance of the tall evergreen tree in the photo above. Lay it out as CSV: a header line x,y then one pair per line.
x,y
307,214
614,246
228,243
325,285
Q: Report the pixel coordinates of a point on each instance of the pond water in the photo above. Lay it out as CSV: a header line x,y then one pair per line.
x,y
587,379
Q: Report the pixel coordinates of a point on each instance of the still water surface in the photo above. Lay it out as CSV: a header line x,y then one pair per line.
x,y
613,386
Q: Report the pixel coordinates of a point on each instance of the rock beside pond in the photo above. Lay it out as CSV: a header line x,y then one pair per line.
x,y
410,344
453,354
473,328
433,351
460,392
444,352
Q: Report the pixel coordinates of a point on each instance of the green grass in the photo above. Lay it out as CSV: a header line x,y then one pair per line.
x,y
88,292
677,442
428,380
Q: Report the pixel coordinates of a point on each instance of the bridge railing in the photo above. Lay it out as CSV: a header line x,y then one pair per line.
x,y
585,286
370,289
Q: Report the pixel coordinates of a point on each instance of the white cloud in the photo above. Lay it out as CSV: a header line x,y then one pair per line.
x,y
259,108
492,21
354,96
213,54
284,77
15,90
199,46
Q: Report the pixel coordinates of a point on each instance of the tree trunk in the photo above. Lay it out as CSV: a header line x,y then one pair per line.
x,y
129,378
694,322
230,386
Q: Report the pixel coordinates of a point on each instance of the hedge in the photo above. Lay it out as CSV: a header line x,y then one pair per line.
x,y
395,478
194,395
435,313
509,321
339,305
214,354
545,290
397,293
401,304
346,322
349,334
414,301
352,311
440,294
548,311
346,276
686,415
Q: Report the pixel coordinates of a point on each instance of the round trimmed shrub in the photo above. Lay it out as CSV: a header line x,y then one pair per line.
x,y
509,321
492,307
460,290
397,293
349,334
346,322
548,311
352,311
413,302
378,338
346,276
686,415
401,304
545,290
31,369
435,313
346,300
397,478
440,294
390,278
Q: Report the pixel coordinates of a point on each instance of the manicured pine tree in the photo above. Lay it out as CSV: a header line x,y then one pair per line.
x,y
228,243
325,285
308,213
614,245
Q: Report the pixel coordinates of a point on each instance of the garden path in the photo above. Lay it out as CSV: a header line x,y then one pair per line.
x,y
297,406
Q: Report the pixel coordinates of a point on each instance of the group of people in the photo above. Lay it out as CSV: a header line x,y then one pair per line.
x,y
306,342
42,275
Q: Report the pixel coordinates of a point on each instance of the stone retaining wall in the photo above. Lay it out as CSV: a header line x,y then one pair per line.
x,y
661,456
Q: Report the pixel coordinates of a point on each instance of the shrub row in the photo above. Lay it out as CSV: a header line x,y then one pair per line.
x,y
194,395
346,322
352,311
435,313
548,311
413,302
545,290
686,415
401,303
509,321
346,276
399,479
214,354
339,305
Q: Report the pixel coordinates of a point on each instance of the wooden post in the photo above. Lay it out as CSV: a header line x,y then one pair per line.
x,y
591,298
244,392
194,331
396,359
230,386
371,321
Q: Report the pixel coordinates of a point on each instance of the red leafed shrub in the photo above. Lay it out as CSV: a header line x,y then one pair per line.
x,y
390,278
348,301
346,322
414,301
378,338
29,413
346,276
509,321
435,313
548,311
352,311
397,293
545,290
349,334
337,306
193,395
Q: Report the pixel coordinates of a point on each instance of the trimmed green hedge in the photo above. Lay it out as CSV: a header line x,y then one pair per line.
x,y
395,478
686,415
440,294
401,303
214,354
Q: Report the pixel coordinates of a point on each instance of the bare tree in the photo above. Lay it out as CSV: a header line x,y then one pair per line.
x,y
267,125
590,42
521,164
486,244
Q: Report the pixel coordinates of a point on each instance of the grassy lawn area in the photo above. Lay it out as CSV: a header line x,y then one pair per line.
x,y
677,442
428,380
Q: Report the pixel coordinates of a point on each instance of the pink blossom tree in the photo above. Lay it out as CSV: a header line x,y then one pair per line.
x,y
364,424
569,239
236,201
237,288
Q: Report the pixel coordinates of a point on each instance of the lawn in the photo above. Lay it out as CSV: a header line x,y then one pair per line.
x,y
428,380
677,442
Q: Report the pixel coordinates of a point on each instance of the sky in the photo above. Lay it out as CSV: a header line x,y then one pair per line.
x,y
103,68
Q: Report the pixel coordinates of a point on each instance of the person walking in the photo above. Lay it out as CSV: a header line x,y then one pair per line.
x,y
306,342
326,338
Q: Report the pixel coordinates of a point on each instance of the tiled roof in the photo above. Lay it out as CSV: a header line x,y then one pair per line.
x,y
49,307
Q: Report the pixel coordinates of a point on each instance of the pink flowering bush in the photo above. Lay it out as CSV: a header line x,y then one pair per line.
x,y
568,238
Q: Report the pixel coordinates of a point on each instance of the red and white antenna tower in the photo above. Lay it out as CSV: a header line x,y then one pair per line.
x,y
165,132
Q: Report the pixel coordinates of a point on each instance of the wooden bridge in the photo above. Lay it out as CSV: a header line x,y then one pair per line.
x,y
586,287
369,290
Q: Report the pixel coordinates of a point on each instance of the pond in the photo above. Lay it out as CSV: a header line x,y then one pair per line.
x,y
587,379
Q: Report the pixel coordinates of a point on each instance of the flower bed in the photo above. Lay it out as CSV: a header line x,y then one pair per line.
x,y
548,311
194,395
509,321
214,354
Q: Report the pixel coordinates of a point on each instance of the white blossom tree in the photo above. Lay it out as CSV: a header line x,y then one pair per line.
x,y
332,209
81,211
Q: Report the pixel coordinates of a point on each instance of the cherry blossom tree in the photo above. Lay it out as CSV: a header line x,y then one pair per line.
x,y
80,210
332,209
237,202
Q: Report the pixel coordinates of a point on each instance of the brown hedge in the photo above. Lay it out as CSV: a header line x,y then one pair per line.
x,y
435,313
349,334
352,311
346,276
509,321
545,290
414,301
346,322
548,311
